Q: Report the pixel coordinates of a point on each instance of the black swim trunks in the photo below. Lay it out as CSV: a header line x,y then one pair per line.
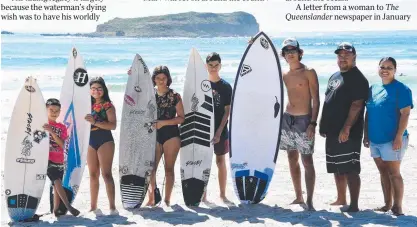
x,y
55,171
344,157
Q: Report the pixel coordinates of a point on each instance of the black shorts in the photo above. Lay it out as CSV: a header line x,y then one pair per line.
x,y
99,137
167,132
344,157
55,171
222,147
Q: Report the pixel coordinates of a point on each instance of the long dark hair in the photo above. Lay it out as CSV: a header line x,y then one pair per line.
x,y
162,69
100,80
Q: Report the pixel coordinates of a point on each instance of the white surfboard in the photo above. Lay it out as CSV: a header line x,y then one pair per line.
x,y
255,121
75,105
137,136
197,131
27,152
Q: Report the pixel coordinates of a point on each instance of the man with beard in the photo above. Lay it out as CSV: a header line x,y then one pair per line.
x,y
342,124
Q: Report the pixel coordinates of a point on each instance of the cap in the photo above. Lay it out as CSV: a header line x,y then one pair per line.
x,y
345,46
53,102
290,42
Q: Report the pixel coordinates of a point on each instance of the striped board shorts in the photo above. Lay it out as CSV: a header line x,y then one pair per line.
x,y
343,158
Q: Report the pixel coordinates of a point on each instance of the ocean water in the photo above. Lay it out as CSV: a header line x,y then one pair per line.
x,y
46,58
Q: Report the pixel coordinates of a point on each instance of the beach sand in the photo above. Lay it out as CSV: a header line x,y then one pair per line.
x,y
274,210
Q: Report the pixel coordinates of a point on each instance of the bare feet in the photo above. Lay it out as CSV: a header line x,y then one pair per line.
x,y
150,203
114,212
97,212
227,201
397,211
298,201
74,211
385,208
339,202
167,203
310,206
350,209
56,213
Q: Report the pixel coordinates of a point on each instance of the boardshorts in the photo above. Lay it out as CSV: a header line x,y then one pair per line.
x,y
294,134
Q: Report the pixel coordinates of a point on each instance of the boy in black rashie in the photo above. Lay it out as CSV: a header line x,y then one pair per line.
x,y
222,95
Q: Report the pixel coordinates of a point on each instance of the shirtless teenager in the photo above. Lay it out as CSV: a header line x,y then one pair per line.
x,y
299,119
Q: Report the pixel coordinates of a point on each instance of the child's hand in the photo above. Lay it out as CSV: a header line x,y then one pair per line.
x,y
47,127
90,119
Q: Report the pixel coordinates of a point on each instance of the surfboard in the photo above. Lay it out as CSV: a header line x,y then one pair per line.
x,y
75,105
137,136
27,152
255,121
197,131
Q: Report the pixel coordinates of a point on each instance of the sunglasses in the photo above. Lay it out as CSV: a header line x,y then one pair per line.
x,y
290,51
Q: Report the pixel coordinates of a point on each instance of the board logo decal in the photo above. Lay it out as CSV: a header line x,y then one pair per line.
x,y
8,192
123,169
29,88
195,102
137,112
138,89
193,163
149,126
264,43
205,85
38,136
239,166
149,163
208,103
40,176
27,146
80,77
28,126
129,100
245,70
74,52
276,107
25,160
196,129
145,68
151,109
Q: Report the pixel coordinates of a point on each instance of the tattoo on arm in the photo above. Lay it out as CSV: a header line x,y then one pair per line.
x,y
354,111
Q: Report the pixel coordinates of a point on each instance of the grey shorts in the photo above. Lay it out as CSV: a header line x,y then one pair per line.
x,y
294,134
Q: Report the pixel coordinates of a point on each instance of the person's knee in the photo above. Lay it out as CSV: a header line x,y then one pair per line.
x,y
220,161
169,171
293,158
107,177
395,174
94,175
308,161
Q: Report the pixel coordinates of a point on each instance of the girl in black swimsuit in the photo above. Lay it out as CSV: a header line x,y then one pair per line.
x,y
170,115
101,150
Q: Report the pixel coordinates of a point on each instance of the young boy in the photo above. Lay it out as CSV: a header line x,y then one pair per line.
x,y
58,134
222,95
